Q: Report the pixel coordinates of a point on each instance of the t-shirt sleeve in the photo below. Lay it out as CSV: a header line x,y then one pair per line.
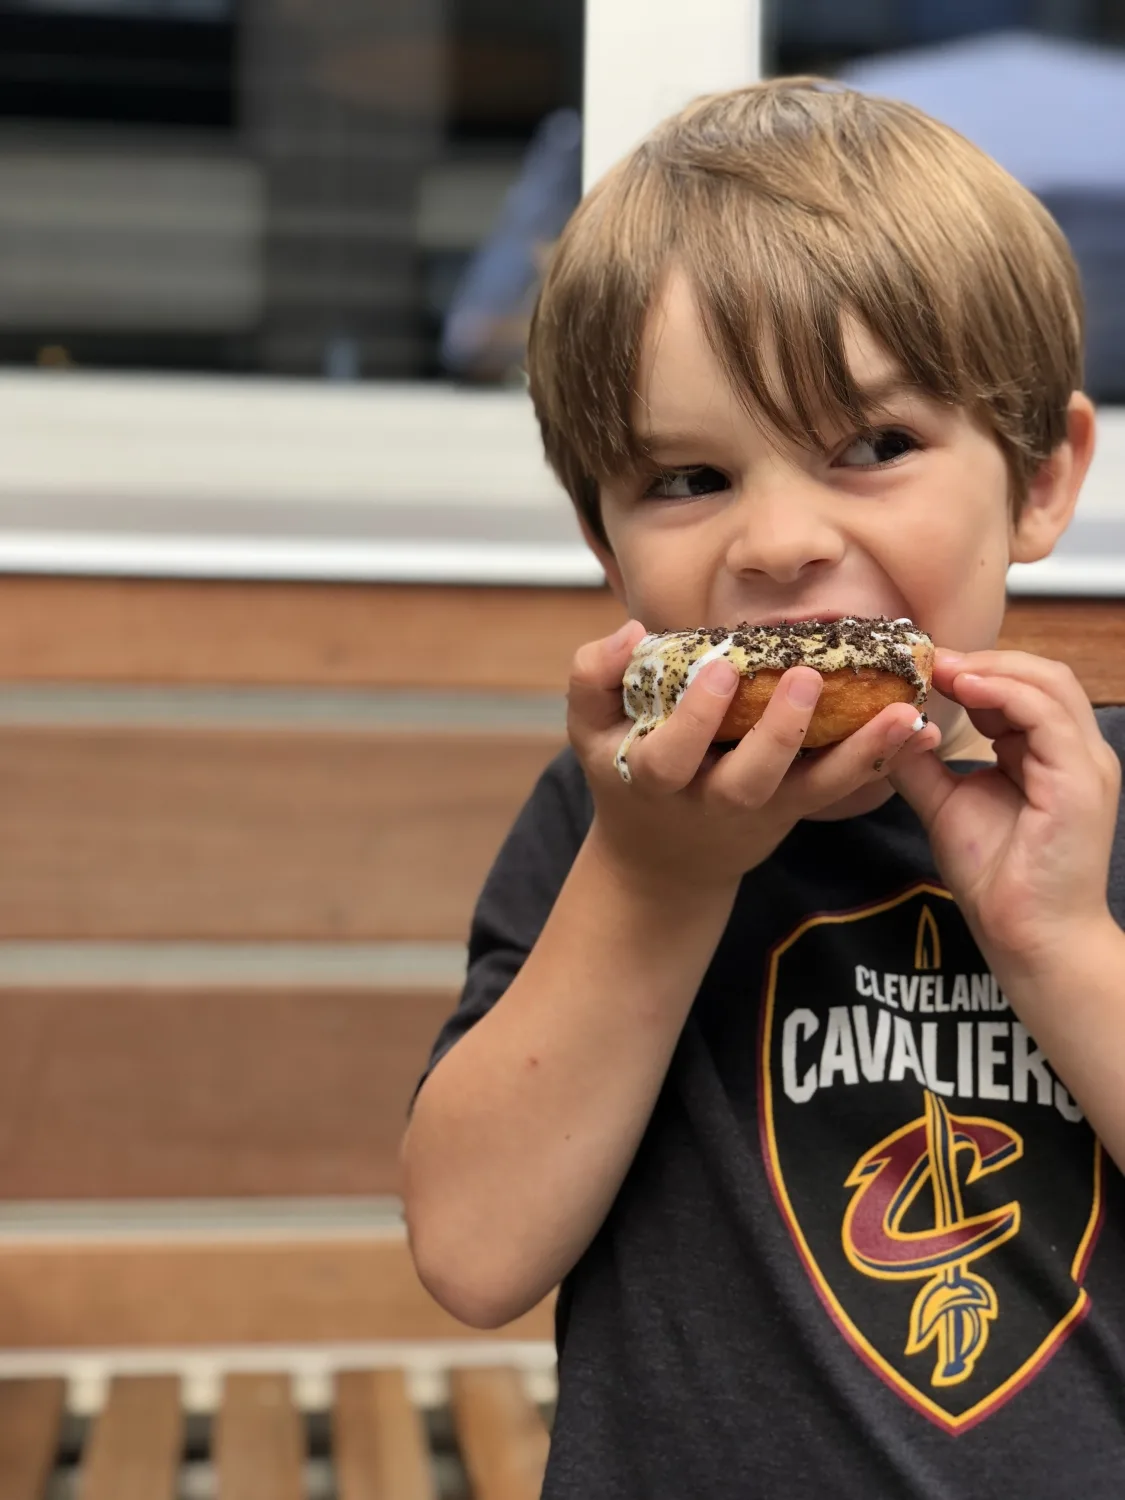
x,y
1111,721
519,893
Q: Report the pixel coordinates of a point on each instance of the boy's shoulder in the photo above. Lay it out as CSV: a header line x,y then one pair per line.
x,y
549,828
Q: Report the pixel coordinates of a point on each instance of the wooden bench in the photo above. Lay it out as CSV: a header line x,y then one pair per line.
x,y
243,827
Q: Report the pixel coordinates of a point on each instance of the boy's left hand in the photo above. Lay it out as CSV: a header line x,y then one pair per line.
x,y
1024,847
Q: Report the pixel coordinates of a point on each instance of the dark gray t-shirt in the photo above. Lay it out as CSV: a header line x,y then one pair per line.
x,y
868,1246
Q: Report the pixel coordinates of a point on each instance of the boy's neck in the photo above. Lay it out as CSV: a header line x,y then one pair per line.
x,y
964,742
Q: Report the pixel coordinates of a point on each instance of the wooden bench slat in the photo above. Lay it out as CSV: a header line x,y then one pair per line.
x,y
127,1094
379,1441
141,834
501,1434
332,634
1087,634
135,1448
31,1414
160,1294
259,1440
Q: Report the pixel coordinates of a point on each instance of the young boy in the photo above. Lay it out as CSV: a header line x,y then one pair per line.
x,y
806,1076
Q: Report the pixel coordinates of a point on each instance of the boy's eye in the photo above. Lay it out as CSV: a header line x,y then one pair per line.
x,y
684,484
871,449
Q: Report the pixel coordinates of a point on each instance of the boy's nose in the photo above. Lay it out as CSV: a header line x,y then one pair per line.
x,y
781,532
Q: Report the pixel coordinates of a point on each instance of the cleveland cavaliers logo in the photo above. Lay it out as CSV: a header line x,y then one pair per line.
x,y
955,1306
909,1126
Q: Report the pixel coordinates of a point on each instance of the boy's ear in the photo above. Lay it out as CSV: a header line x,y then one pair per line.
x,y
1053,491
609,563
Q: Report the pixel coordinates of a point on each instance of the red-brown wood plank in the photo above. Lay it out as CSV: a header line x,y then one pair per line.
x,y
259,1440
135,1447
157,1293
209,1093
376,635
257,835
519,639
501,1434
31,1413
379,1445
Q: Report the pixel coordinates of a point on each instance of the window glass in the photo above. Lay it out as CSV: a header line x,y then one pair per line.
x,y
286,187
1040,84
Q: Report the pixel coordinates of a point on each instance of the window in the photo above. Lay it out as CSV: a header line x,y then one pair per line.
x,y
266,187
263,274
1039,84
229,298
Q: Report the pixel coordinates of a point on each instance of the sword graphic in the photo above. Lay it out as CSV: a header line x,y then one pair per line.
x,y
956,1306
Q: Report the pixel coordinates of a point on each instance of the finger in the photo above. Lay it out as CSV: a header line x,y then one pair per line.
x,y
668,759
1051,677
1053,736
925,783
594,697
865,756
750,775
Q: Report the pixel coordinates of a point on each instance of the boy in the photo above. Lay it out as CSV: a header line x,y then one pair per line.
x,y
793,1071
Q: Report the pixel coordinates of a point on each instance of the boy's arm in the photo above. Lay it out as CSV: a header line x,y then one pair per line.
x,y
1025,849
1074,1006
522,1134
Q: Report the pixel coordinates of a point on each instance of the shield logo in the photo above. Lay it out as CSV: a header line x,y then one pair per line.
x,y
910,1127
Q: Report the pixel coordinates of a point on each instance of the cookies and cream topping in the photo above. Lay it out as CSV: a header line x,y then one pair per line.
x,y
662,666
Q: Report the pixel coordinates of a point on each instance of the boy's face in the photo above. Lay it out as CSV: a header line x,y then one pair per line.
x,y
910,519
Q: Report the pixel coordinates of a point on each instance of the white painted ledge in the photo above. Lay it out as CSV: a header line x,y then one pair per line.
x,y
165,476
139,556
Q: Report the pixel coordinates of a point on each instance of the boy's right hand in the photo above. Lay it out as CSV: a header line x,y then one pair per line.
x,y
691,819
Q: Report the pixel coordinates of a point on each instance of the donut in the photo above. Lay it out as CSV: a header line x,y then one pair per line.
x,y
866,665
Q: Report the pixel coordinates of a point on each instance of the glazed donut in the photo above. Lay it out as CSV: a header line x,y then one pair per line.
x,y
866,665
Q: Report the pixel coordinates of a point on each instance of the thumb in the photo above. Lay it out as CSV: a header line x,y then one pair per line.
x,y
594,694
924,782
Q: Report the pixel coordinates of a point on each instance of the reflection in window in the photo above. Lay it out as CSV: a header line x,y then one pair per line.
x,y
1040,84
271,186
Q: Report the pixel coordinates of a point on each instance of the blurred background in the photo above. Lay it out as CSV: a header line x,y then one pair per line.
x,y
364,191
338,212
278,187
287,603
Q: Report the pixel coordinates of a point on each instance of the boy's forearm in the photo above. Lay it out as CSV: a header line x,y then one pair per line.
x,y
523,1133
1073,1003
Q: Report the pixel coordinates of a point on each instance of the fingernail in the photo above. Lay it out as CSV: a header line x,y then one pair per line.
x,y
618,640
901,733
948,658
719,677
804,690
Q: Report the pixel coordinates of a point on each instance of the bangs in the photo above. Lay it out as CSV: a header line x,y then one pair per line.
x,y
795,212
779,311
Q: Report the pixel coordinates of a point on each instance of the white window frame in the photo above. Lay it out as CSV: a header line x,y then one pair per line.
x,y
120,475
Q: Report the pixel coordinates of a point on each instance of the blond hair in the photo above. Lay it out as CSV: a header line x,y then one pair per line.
x,y
791,204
